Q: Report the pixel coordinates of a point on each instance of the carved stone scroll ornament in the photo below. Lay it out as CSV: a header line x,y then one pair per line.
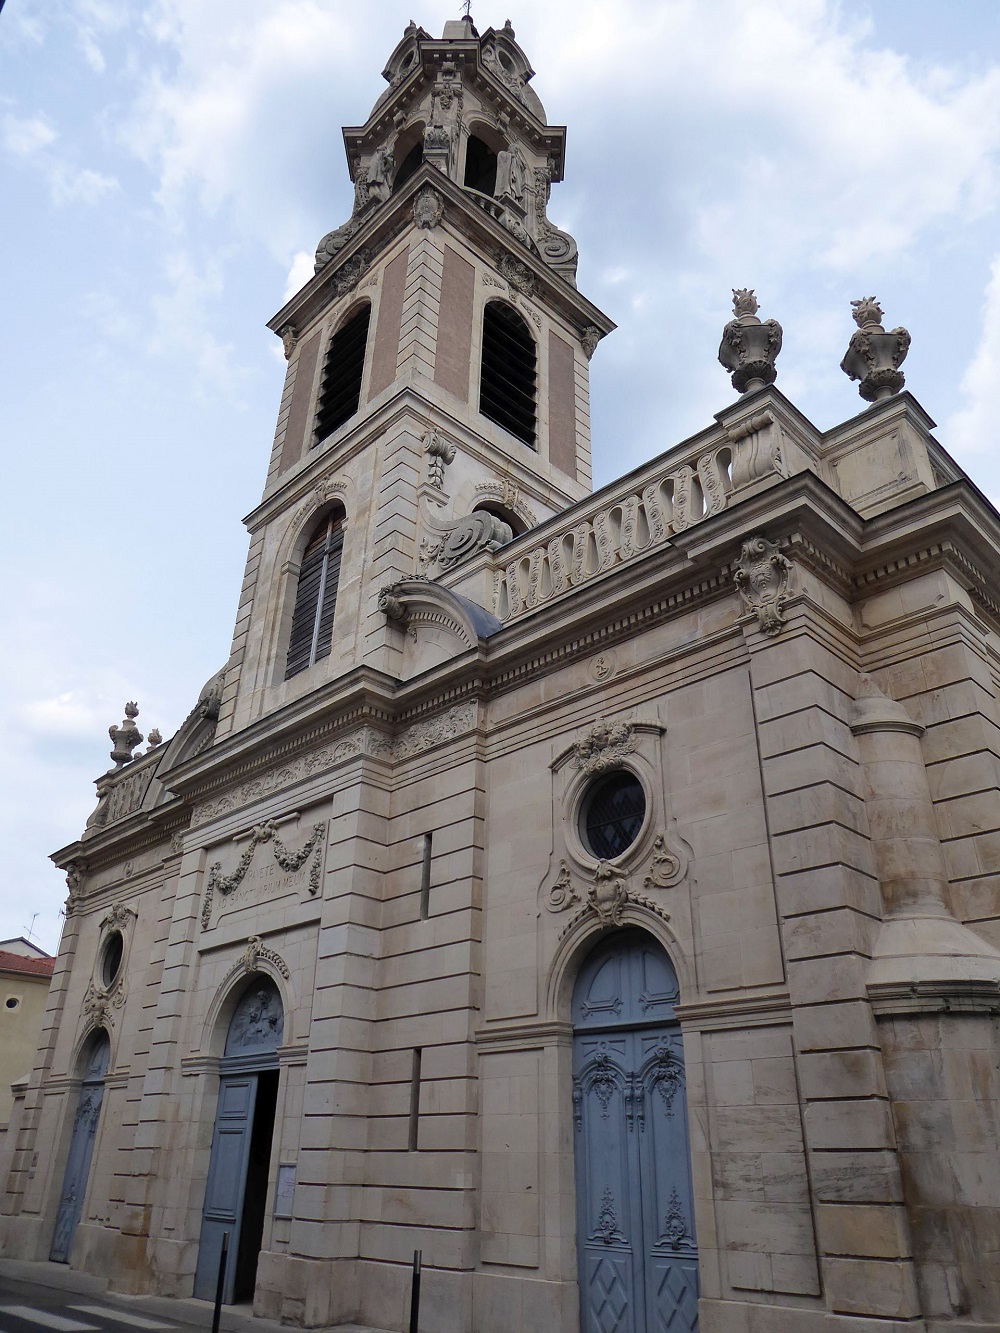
x,y
428,208
440,452
667,867
873,355
762,580
288,860
749,348
478,531
390,605
604,746
561,893
255,951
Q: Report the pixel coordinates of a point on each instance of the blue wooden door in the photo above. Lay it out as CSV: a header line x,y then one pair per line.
x,y
638,1262
227,1174
252,1041
81,1149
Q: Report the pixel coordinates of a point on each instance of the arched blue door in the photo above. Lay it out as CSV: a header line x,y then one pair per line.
x,y
81,1148
638,1260
236,1189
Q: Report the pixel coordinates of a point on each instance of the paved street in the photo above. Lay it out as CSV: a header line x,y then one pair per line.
x,y
26,1307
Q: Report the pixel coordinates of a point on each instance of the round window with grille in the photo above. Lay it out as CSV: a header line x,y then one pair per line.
x,y
612,814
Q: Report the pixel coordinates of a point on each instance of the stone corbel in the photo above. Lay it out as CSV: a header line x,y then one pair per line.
x,y
416,600
757,445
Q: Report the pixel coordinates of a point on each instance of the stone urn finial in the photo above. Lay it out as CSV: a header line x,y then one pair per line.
x,y
749,346
874,355
126,737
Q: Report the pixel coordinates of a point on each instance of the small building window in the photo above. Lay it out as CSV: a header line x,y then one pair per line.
x,y
507,379
612,814
111,958
340,391
316,596
11,1002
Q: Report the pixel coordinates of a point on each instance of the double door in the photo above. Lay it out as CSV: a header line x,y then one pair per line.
x,y
638,1259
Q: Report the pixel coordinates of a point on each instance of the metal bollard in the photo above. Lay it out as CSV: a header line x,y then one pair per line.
x,y
415,1292
221,1283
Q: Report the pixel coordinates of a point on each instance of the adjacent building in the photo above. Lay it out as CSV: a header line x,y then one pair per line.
x,y
595,891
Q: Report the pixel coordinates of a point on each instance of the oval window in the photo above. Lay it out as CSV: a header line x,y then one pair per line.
x,y
612,814
111,957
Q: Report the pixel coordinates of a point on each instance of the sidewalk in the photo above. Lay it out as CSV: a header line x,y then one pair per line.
x,y
196,1314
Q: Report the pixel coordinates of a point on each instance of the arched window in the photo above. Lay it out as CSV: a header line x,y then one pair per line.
x,y
316,596
480,166
340,391
410,163
507,379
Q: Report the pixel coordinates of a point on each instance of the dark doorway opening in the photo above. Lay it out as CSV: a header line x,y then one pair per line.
x,y
255,1196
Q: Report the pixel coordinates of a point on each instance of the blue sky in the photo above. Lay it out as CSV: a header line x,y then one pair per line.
x,y
167,168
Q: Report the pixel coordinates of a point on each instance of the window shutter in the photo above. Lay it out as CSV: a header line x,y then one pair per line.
x,y
507,380
340,391
324,636
316,598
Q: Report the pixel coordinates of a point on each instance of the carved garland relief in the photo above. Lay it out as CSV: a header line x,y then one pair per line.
x,y
286,859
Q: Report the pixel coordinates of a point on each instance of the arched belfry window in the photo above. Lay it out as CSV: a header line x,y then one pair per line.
x,y
480,166
340,391
408,166
507,379
316,596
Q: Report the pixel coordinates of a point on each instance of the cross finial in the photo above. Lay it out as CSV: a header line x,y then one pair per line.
x,y
467,8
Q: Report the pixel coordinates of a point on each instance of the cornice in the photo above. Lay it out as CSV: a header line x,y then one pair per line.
x,y
405,403
736,1011
393,217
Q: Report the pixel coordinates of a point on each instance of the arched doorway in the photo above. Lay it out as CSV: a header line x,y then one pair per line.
x,y
236,1189
81,1149
638,1260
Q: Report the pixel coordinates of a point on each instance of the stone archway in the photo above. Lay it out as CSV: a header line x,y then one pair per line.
x,y
236,1189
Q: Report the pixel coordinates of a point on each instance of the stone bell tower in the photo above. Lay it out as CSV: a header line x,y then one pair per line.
x,y
436,402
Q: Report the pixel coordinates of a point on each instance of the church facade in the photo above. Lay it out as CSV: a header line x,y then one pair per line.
x,y
594,891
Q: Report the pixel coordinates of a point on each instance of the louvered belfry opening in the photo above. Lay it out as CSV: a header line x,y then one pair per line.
x,y
507,381
340,391
316,596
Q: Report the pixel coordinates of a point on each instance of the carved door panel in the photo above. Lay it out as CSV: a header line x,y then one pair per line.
x,y
227,1175
81,1151
609,1217
638,1262
671,1256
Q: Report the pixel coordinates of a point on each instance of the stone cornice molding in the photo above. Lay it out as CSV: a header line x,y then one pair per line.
x,y
736,1011
471,222
531,1034
894,999
405,408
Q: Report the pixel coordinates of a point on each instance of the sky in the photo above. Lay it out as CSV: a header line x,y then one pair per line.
x,y
167,168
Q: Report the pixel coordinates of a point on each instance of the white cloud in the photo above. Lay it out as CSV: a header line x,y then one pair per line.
x,y
24,135
975,428
78,185
299,274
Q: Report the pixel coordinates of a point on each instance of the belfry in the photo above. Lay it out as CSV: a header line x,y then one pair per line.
x,y
595,892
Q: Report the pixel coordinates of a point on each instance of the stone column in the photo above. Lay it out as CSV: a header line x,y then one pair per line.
x,y
935,989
